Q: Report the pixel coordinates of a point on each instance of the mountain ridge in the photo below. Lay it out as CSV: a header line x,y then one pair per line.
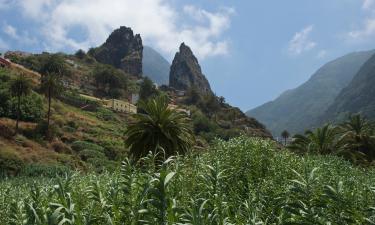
x,y
300,108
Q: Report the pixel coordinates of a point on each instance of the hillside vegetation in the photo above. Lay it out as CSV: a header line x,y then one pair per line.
x,y
83,134
243,181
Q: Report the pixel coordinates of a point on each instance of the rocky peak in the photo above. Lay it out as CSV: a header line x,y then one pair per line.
x,y
186,72
123,50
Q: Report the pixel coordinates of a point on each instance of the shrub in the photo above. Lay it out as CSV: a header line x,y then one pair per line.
x,y
202,123
44,170
105,114
82,145
31,108
42,129
10,163
87,154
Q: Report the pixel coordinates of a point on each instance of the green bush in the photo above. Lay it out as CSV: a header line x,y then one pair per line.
x,y
82,145
202,123
87,154
43,170
31,108
105,114
10,163
42,129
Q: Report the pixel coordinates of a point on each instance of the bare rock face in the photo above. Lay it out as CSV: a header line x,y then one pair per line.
x,y
122,50
186,72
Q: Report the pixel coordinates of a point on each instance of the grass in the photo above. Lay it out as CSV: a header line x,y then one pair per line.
x,y
242,181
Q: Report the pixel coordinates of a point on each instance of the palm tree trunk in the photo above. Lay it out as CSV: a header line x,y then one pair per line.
x,y
18,111
49,109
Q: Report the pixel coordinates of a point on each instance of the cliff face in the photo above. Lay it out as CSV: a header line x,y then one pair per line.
x,y
122,50
186,72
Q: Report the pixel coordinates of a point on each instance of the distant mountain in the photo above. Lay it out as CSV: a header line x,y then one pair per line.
x,y
302,108
155,66
357,97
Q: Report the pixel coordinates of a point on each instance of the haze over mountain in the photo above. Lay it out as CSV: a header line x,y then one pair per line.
x,y
300,108
357,97
155,66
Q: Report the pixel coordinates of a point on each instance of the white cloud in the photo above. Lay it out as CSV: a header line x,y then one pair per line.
x,y
322,54
23,38
301,42
367,31
158,22
368,4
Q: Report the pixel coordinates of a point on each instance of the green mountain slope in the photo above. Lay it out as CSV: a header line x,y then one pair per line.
x,y
357,97
300,108
155,66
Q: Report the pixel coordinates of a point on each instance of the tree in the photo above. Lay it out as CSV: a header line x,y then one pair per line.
x,y
109,81
52,70
54,64
358,135
80,54
211,105
321,140
193,96
147,89
52,87
159,128
285,134
20,87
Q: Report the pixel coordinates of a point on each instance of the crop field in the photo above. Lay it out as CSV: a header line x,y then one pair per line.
x,y
242,181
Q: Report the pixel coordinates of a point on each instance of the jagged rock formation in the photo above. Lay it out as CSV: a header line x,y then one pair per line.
x,y
186,72
123,50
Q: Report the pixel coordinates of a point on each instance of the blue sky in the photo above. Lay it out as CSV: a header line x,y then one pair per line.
x,y
250,50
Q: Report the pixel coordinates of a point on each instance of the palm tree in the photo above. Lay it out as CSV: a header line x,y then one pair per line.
x,y
159,128
358,135
20,87
321,140
285,134
52,87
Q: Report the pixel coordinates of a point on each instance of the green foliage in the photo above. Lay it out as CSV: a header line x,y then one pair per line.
x,y
10,163
242,181
79,146
110,82
159,128
358,135
202,123
105,114
80,54
44,170
16,98
53,64
321,141
147,90
354,139
31,108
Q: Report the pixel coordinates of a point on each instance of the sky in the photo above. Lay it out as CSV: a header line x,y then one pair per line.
x,y
250,50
